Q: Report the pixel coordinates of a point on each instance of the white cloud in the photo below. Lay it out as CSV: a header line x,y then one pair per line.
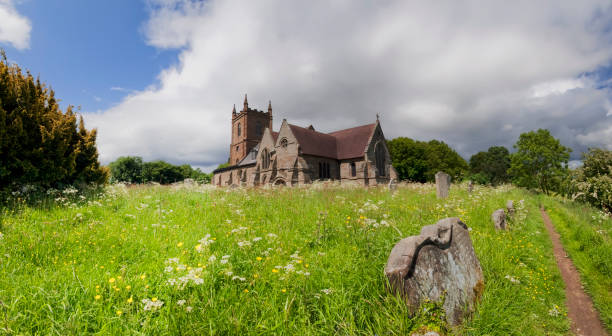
x,y
14,28
472,73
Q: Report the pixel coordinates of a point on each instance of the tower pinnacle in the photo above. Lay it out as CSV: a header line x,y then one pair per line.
x,y
234,109
270,107
246,103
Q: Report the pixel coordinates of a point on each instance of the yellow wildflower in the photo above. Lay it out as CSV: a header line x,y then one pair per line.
x,y
111,280
97,297
258,258
154,299
119,312
275,271
130,300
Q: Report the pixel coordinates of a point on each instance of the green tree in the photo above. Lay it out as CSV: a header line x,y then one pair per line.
x,y
440,157
161,172
127,169
540,161
491,167
409,158
594,178
39,144
419,161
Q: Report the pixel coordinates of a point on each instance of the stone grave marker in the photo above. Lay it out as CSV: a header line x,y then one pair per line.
x,y
438,263
443,182
499,219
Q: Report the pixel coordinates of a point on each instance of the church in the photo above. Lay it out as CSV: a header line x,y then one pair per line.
x,y
301,155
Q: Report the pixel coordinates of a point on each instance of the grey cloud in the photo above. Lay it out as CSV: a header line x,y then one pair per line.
x,y
463,72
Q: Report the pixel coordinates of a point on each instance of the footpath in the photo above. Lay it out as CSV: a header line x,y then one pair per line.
x,y
583,316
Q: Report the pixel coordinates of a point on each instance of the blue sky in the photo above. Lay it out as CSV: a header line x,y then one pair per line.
x,y
91,52
472,73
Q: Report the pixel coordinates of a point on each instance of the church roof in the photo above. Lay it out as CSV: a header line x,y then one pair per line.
x,y
314,143
344,144
352,142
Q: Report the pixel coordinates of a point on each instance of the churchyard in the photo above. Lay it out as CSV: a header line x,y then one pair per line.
x,y
194,260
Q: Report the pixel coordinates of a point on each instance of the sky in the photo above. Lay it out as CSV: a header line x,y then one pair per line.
x,y
158,78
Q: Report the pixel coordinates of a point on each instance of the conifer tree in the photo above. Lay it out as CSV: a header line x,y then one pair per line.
x,y
40,144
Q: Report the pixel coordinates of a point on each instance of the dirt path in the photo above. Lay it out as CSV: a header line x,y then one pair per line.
x,y
583,316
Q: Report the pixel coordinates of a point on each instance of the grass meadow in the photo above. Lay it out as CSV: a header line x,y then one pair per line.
x,y
157,260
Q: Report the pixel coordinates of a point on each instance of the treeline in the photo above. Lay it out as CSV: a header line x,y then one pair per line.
x,y
132,169
540,162
40,145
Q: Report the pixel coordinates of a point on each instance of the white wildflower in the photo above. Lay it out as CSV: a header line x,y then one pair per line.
x,y
256,239
327,291
152,305
189,309
168,269
212,258
180,302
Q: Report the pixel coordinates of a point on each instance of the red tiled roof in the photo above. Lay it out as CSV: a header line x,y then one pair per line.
x,y
352,142
344,144
314,143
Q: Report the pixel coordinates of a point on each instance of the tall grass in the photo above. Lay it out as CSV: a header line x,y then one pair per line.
x,y
192,261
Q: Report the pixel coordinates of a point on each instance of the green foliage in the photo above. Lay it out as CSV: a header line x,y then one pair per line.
x,y
491,167
419,161
132,169
540,161
126,169
39,144
593,180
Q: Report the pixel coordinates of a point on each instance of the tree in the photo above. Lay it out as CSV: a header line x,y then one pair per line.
x,y
594,178
126,169
419,161
409,159
540,161
440,157
39,144
491,167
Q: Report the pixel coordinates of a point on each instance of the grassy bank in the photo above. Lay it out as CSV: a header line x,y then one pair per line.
x,y
167,261
586,234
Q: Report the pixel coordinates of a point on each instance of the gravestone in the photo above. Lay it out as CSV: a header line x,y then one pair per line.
x,y
440,263
470,186
499,219
510,207
392,186
443,182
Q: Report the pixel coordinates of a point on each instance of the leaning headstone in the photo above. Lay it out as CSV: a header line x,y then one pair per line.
x,y
510,207
440,263
443,181
470,186
392,186
499,219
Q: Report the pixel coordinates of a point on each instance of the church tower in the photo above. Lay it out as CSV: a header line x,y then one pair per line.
x,y
248,126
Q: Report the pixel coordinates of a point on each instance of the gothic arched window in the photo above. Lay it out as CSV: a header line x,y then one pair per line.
x,y
239,130
265,159
284,143
379,153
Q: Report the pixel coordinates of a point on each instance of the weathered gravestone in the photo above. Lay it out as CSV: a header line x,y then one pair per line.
x,y
470,186
443,182
392,186
439,264
499,219
510,207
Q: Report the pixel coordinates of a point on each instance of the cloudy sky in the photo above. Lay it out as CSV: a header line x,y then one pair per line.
x,y
159,78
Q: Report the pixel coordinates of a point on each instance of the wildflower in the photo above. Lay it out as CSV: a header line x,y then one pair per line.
x,y
212,258
168,269
154,299
152,304
111,280
246,290
283,290
119,312
180,302
179,244
189,309
97,297
271,235
327,291
130,300
143,276
128,287
256,239
258,258
274,270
